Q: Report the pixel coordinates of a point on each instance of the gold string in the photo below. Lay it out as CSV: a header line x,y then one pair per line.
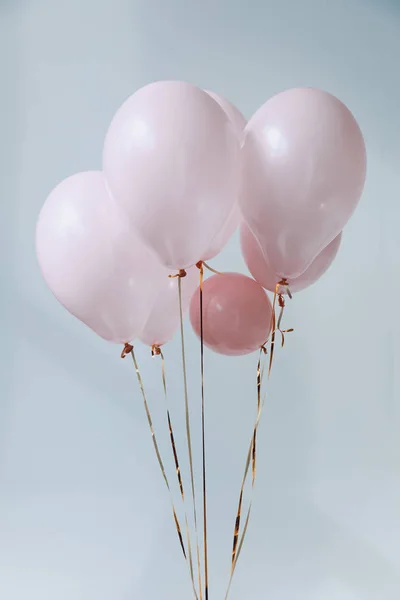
x,y
203,435
203,263
281,301
156,351
251,459
155,444
188,434
252,453
278,296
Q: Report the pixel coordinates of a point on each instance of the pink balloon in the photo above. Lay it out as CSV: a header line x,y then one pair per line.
x,y
304,166
223,236
236,314
263,273
171,159
164,319
94,266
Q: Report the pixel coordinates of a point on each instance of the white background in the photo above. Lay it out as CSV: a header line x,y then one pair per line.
x,y
83,510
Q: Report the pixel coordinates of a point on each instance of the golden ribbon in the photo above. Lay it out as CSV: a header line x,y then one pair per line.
x,y
202,264
156,351
128,349
251,459
278,296
205,542
275,326
188,434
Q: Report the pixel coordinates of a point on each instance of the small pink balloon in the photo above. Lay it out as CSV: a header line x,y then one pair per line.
x,y
236,314
263,273
164,318
171,159
304,166
224,235
90,260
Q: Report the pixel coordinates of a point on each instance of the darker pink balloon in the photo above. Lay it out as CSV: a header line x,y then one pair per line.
x,y
262,271
236,314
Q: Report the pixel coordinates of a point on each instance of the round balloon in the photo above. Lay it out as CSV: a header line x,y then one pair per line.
x,y
236,314
92,263
164,318
304,166
171,159
262,272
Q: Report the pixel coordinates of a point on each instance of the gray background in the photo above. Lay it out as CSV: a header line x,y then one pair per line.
x,y
83,510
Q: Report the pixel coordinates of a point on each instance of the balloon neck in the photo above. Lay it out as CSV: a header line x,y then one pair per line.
x,y
282,287
155,350
127,349
181,273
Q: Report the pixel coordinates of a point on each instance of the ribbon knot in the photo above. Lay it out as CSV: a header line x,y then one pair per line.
x,y
181,273
127,349
155,350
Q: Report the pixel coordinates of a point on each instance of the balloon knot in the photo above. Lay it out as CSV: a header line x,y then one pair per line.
x,y
281,300
199,264
155,350
126,350
181,273
264,349
283,283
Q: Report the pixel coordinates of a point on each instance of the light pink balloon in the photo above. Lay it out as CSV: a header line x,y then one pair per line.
x,y
92,263
222,238
164,319
236,314
304,166
171,159
263,273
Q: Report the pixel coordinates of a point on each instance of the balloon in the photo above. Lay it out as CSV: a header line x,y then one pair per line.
x,y
304,166
223,236
164,318
171,159
236,314
94,266
262,272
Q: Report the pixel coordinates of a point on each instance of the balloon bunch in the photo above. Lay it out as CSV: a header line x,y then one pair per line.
x,y
124,249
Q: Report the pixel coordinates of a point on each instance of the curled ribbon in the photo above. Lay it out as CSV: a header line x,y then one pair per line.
x,y
155,444
156,351
275,326
188,428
